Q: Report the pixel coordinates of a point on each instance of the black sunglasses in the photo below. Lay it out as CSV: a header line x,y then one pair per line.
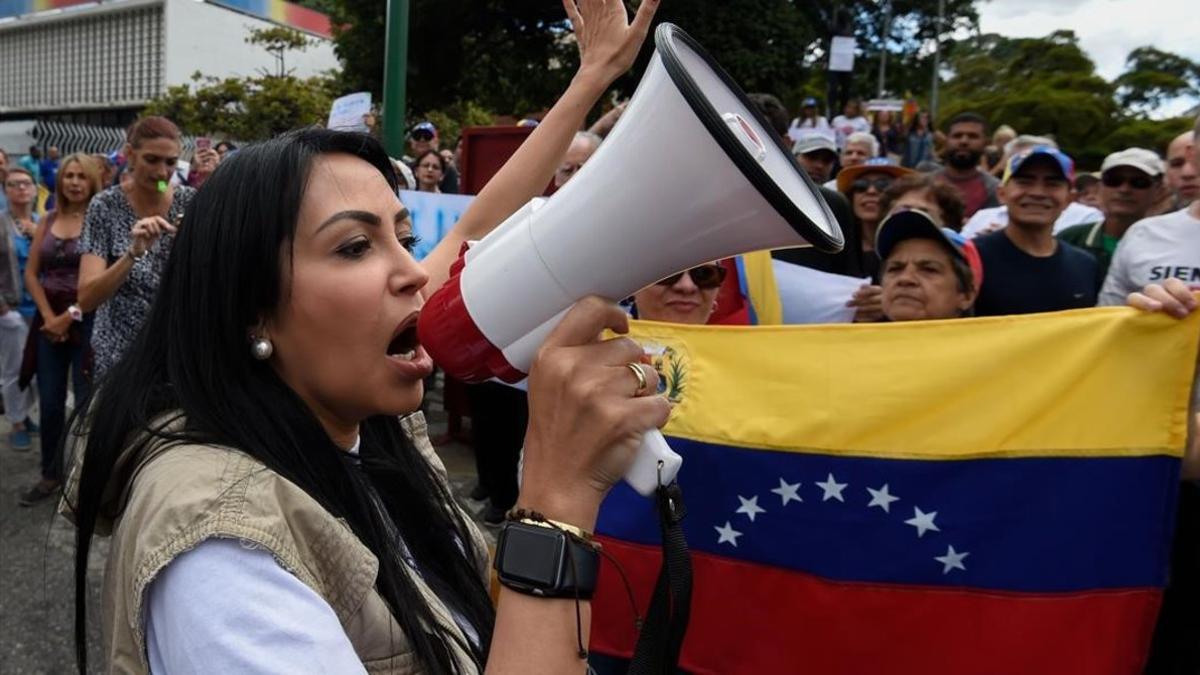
x,y
705,276
421,135
880,184
1114,180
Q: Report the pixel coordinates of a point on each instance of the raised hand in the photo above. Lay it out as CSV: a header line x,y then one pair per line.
x,y
608,42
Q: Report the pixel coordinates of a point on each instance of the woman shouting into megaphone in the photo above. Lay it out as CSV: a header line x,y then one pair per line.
x,y
258,455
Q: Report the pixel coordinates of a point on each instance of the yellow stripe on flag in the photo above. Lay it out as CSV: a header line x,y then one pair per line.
x,y
761,289
1096,382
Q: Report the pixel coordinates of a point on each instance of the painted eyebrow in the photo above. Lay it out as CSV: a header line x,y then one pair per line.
x,y
352,214
401,215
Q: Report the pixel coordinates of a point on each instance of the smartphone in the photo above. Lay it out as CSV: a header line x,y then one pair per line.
x,y
203,143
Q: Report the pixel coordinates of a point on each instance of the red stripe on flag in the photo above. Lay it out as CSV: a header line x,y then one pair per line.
x,y
748,618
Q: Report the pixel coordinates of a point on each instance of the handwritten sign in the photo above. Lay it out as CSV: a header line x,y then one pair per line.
x,y
346,113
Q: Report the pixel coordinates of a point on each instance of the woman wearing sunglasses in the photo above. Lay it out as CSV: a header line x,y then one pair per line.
x,y
687,297
59,338
864,186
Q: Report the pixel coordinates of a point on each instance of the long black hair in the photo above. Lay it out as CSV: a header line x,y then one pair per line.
x,y
192,355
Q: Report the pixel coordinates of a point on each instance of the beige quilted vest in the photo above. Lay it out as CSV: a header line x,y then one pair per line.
x,y
182,495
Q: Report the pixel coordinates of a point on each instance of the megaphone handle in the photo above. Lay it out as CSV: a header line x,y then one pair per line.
x,y
646,474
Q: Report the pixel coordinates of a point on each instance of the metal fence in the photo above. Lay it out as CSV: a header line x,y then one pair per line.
x,y
105,60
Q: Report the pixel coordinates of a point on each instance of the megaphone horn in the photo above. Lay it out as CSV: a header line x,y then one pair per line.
x,y
691,173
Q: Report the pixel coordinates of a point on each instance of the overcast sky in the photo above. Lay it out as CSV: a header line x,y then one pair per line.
x,y
1108,29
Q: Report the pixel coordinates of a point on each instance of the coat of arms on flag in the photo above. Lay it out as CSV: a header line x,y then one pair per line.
x,y
992,495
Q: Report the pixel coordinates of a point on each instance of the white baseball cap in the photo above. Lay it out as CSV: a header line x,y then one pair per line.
x,y
813,143
1146,161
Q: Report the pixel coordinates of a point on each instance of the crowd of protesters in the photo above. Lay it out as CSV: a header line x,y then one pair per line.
x,y
940,223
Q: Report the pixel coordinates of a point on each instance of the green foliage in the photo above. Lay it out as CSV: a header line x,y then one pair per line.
x,y
278,41
517,57
503,55
451,120
1049,86
247,109
1153,76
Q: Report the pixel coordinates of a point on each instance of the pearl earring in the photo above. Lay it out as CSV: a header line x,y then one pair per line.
x,y
262,349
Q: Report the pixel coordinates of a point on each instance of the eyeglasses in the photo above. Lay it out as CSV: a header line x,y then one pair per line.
x,y
1114,180
862,184
705,276
19,184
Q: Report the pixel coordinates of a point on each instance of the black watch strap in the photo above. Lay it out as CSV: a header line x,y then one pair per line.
x,y
539,560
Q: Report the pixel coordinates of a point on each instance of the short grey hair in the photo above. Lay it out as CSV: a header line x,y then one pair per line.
x,y
1027,141
864,137
590,137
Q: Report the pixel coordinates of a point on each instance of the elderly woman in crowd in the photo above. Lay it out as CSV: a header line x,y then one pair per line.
x,y
860,148
928,271
912,191
59,339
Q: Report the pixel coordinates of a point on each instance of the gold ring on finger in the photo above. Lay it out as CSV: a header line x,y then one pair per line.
x,y
636,369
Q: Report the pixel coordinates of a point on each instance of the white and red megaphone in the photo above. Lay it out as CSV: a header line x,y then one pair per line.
x,y
691,173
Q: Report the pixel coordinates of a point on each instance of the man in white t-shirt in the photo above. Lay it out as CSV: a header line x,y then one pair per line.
x,y
1156,249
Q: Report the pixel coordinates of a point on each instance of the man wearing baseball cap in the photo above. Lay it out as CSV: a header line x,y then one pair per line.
x,y
817,154
1129,184
1156,249
928,271
810,121
1028,270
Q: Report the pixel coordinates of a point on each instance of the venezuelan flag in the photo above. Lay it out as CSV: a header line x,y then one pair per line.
x,y
979,496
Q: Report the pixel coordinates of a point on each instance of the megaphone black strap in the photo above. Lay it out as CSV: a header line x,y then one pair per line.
x,y
661,637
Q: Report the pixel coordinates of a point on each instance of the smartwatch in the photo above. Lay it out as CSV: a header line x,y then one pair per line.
x,y
539,560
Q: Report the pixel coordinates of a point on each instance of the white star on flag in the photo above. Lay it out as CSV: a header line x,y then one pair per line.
x,y
750,507
727,534
922,521
952,560
882,499
832,488
787,491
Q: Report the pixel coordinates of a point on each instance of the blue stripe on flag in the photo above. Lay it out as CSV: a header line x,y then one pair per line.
x,y
1022,524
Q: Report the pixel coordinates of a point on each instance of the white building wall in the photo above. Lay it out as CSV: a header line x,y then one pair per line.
x,y
211,39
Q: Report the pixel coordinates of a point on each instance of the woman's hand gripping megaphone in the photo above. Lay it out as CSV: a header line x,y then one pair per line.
x,y
587,413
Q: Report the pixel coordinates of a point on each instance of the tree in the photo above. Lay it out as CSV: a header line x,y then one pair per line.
x,y
250,108
1153,76
278,41
500,55
1049,86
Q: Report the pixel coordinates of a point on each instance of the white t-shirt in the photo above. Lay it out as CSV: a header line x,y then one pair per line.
x,y
799,129
229,607
1074,214
1152,251
844,126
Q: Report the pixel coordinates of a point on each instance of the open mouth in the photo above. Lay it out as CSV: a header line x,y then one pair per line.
x,y
404,344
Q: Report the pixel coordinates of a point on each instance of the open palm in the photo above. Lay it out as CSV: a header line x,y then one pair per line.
x,y
608,42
